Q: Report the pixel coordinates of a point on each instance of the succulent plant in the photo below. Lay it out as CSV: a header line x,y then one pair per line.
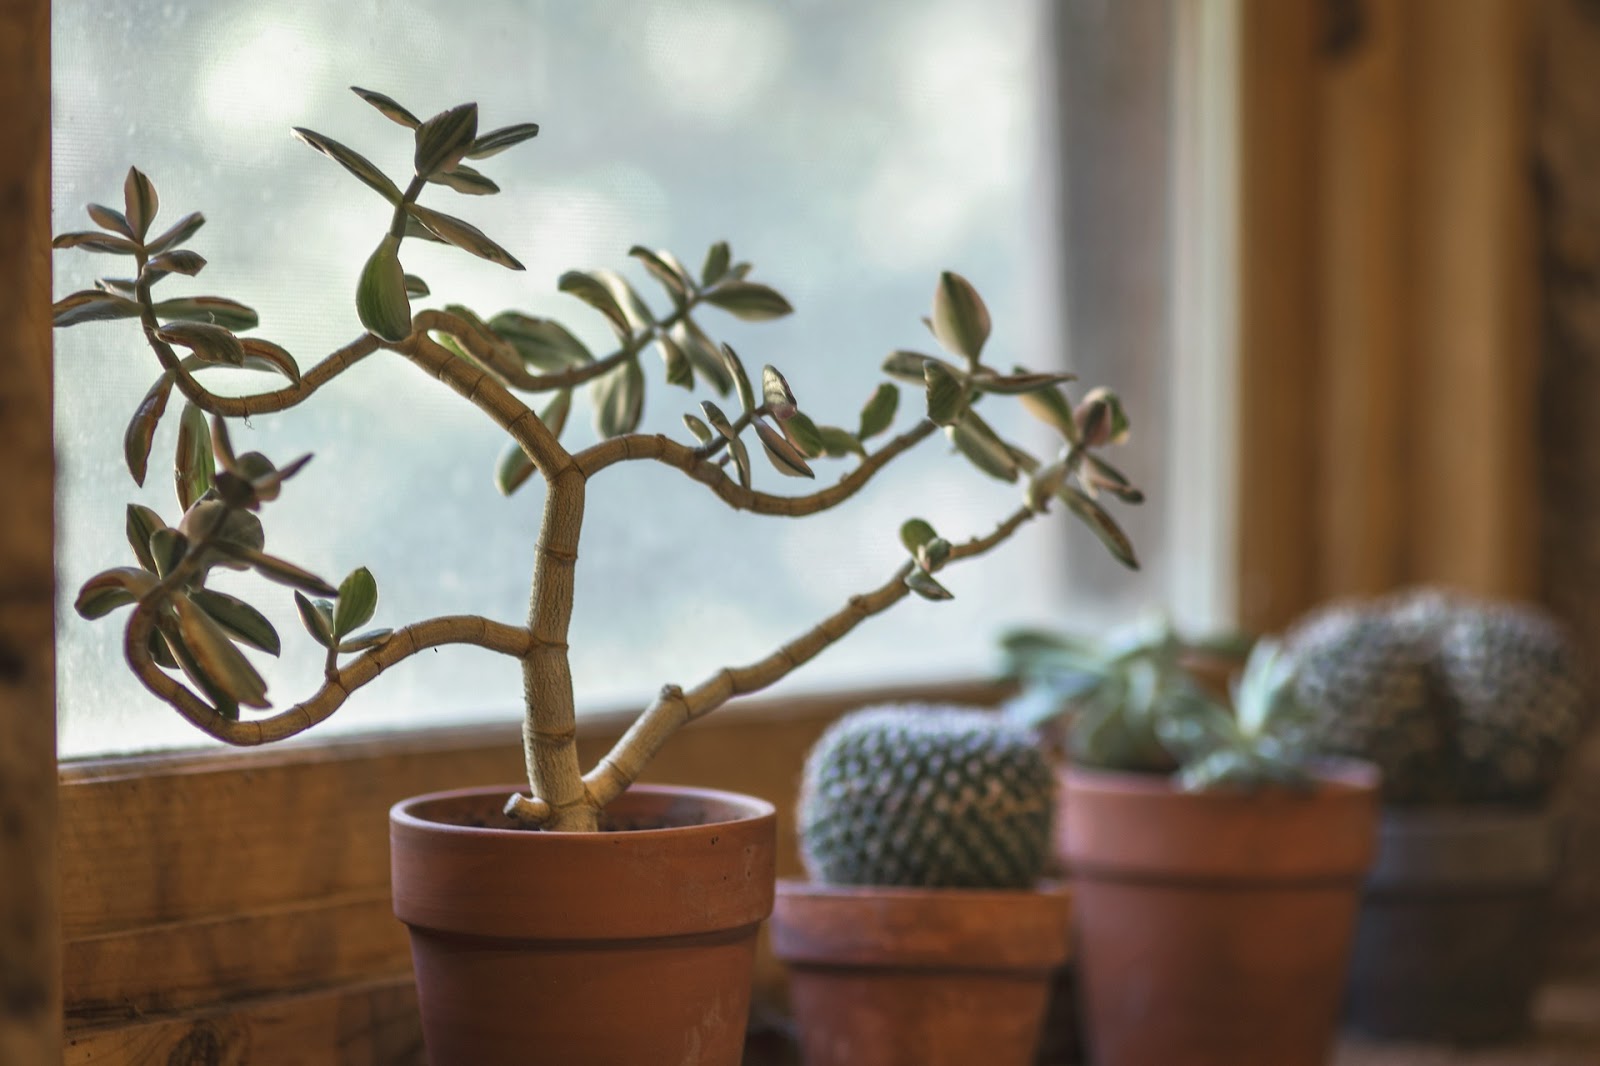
x,y
1457,700
1129,702
183,640
926,796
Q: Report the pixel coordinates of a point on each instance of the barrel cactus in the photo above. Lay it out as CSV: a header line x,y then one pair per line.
x,y
1457,700
926,796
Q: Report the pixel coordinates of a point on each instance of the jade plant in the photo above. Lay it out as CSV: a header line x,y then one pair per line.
x,y
1457,700
181,630
927,797
1129,702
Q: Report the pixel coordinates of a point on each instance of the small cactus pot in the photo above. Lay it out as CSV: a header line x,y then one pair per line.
x,y
1214,927
919,976
1451,920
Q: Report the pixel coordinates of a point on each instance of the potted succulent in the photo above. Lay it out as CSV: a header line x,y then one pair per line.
x,y
1469,708
925,936
1215,874
622,930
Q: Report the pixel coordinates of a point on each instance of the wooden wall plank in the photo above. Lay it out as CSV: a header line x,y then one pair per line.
x,y
1278,315
374,1024
29,999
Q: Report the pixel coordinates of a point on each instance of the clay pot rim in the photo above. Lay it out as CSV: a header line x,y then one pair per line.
x,y
403,814
1330,775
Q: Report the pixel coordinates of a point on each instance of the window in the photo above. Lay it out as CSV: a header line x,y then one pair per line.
x,y
850,151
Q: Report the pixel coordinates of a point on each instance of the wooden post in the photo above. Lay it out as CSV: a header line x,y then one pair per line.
x,y
30,1005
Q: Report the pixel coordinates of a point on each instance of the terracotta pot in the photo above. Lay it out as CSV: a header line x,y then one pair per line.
x,y
919,977
1448,945
585,949
1214,927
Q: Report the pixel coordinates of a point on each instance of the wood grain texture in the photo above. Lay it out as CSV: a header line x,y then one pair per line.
x,y
374,1024
29,960
1567,116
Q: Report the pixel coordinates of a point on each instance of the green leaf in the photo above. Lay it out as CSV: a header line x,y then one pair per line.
x,y
278,570
1050,406
110,218
946,397
216,657
463,235
701,431
139,202
513,469
381,300
464,179
242,621
776,394
741,380
354,162
665,268
803,434
703,355
178,261
318,621
554,415
1102,524
785,457
838,443
168,547
358,599
541,342
679,370
619,400
878,414
444,140
931,554
496,141
597,295
983,447
415,286
415,230
215,310
1019,383
95,241
372,638
110,589
91,305
180,231
914,533
748,300
265,356
141,525
718,420
388,107
960,319
924,585
1103,408
741,460
716,265
1098,475
210,343
195,468
909,366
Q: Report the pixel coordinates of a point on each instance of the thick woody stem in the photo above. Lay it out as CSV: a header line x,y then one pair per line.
x,y
549,730
404,643
691,461
674,708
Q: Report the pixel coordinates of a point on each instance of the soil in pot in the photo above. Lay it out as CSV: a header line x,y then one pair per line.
x,y
1448,945
919,977
1214,928
633,945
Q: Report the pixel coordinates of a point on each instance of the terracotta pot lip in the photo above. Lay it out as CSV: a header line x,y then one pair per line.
x,y
402,814
797,887
1343,775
